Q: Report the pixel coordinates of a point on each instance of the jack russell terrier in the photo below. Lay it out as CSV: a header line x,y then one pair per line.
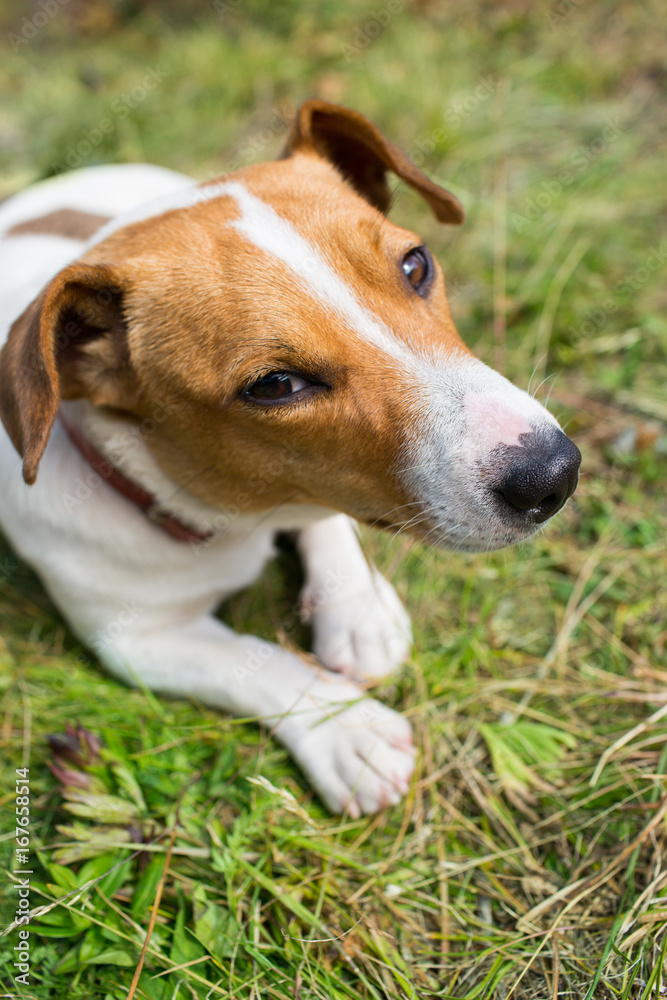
x,y
194,367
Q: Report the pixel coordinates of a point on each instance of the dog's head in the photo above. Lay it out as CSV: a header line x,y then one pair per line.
x,y
278,312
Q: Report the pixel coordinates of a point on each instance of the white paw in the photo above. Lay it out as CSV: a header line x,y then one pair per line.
x,y
359,759
361,631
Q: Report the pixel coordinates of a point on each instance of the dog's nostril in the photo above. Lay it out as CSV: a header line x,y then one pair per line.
x,y
542,476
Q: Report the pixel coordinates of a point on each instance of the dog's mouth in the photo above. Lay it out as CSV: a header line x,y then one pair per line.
x,y
486,536
486,502
513,497
479,534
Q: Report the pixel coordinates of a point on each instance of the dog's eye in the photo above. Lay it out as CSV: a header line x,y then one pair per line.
x,y
417,269
276,385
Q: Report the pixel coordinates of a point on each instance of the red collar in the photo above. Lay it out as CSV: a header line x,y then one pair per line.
x,y
136,494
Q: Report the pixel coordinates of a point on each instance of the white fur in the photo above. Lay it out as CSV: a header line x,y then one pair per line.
x,y
181,195
361,624
105,190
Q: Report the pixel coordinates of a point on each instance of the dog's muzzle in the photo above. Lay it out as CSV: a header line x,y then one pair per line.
x,y
536,476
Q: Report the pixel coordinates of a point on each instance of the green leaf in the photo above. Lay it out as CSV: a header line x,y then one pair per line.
x,y
129,785
63,877
184,948
215,927
157,989
100,808
58,917
116,877
69,962
113,956
92,944
86,832
144,892
97,842
518,749
67,929
96,868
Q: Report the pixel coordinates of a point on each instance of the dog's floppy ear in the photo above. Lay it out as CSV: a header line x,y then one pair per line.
x,y
69,343
363,155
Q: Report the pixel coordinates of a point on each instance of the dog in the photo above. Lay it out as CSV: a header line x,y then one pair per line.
x,y
193,368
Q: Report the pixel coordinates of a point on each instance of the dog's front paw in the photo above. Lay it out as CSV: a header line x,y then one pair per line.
x,y
360,759
362,632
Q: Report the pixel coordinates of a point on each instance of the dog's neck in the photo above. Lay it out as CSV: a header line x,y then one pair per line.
x,y
118,444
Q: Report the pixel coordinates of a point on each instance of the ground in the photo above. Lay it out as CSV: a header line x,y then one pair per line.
x,y
527,860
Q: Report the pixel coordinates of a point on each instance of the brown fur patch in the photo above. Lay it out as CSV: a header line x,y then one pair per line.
x,y
68,222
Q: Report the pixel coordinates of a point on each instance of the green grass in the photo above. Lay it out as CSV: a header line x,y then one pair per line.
x,y
506,873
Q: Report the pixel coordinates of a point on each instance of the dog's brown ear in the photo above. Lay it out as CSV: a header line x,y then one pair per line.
x,y
69,343
363,155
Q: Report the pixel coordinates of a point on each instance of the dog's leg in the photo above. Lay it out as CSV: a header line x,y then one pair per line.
x,y
357,753
360,626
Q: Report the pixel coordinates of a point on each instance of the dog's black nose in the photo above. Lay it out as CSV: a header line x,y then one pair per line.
x,y
540,475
